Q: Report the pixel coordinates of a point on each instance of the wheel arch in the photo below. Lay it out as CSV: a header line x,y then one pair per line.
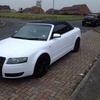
x,y
76,48
37,56
45,55
77,38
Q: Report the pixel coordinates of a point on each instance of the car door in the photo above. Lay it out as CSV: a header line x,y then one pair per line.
x,y
62,45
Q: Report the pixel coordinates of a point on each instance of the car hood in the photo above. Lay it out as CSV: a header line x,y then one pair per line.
x,y
12,47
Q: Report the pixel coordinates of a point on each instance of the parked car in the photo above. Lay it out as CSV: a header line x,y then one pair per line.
x,y
91,19
35,47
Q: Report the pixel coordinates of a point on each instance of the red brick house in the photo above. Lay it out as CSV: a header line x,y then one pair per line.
x,y
51,11
81,9
34,9
5,8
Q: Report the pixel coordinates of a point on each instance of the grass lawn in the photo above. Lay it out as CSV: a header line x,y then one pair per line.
x,y
40,16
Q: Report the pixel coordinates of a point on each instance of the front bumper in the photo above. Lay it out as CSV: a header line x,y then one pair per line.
x,y
15,70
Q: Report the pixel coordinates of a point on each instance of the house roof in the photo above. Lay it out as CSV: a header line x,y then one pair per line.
x,y
74,7
4,7
34,9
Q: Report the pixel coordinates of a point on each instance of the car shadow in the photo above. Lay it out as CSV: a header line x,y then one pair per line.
x,y
61,59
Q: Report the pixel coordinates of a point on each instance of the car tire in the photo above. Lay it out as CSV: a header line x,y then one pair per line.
x,y
42,66
77,45
96,24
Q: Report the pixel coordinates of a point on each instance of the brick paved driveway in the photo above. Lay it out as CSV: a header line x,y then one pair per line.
x,y
59,81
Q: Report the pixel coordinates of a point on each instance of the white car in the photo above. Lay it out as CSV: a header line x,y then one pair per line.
x,y
35,47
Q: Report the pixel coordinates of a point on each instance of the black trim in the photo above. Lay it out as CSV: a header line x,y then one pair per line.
x,y
54,22
13,74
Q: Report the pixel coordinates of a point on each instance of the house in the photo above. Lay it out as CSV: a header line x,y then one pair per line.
x,y
81,9
13,11
34,9
5,8
51,11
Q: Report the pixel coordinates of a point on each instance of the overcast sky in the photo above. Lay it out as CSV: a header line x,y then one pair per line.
x,y
94,5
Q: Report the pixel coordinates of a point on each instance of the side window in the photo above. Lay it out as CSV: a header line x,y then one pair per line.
x,y
61,28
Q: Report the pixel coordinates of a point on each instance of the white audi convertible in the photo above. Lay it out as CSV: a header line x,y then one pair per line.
x,y
35,47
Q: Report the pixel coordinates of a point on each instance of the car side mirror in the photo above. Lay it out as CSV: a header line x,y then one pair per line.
x,y
56,35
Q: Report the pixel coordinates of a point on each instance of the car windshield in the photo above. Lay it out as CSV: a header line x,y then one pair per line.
x,y
33,32
90,16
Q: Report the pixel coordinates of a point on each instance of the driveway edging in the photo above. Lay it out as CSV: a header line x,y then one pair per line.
x,y
84,80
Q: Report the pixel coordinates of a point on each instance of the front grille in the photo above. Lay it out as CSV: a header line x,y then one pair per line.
x,y
2,60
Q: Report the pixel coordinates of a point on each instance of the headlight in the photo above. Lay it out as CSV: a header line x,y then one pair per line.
x,y
17,60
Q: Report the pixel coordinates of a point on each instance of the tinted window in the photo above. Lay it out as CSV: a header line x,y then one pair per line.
x,y
90,16
61,28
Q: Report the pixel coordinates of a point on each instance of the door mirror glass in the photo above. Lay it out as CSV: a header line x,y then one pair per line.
x,y
56,35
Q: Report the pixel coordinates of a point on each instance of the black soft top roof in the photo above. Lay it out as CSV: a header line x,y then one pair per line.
x,y
54,22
